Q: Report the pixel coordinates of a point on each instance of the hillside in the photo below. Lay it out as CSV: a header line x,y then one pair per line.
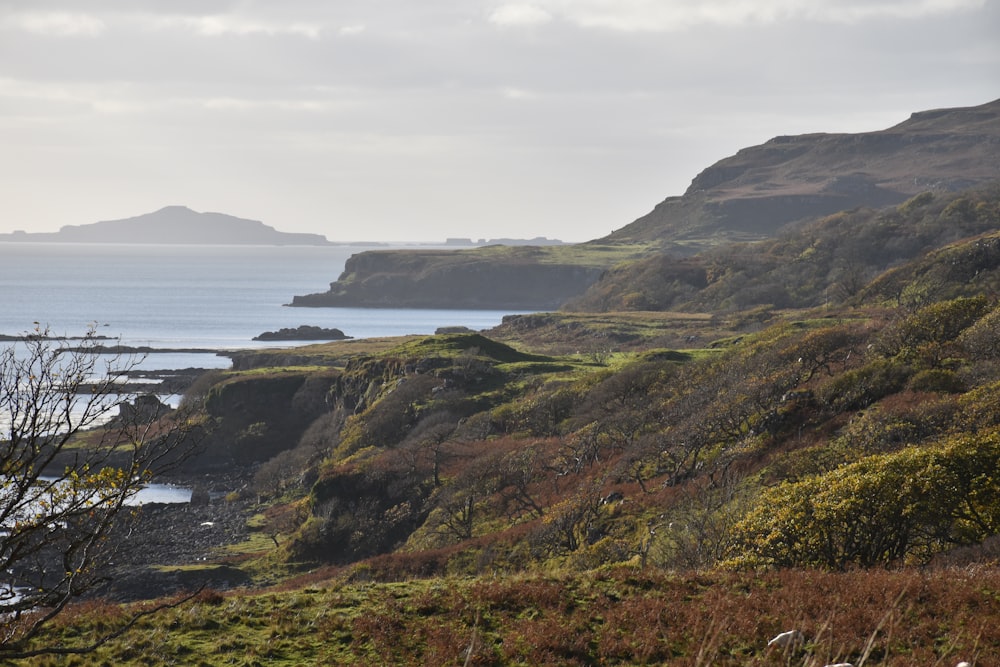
x,y
826,261
750,196
834,470
797,432
176,225
507,445
757,191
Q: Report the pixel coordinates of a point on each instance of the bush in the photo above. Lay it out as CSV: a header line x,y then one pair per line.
x,y
857,389
884,509
982,339
937,380
925,334
905,419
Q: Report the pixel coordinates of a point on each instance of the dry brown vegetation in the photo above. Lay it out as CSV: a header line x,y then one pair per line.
x,y
612,616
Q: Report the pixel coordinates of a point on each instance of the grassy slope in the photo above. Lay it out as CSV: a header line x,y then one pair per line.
x,y
576,606
593,254
512,277
752,194
827,261
616,616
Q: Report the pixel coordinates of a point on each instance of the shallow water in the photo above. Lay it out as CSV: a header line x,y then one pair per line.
x,y
161,493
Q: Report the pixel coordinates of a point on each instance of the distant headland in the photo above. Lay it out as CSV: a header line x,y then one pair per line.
x,y
173,225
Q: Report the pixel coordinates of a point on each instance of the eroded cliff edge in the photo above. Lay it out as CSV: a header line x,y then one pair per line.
x,y
496,277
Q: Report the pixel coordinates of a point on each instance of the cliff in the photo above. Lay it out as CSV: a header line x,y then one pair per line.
x,y
495,277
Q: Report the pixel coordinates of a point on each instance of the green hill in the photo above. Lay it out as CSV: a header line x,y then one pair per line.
x,y
826,261
454,491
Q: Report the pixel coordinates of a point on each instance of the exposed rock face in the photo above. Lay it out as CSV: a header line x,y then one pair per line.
x,y
451,279
755,192
258,416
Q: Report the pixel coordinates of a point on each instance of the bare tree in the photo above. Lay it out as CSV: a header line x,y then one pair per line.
x,y
458,512
427,444
517,474
69,468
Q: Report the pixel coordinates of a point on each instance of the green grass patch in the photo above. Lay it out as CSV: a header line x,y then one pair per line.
x,y
578,254
469,344
276,371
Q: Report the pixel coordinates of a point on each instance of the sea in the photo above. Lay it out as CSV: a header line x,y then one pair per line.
x,y
191,297
182,297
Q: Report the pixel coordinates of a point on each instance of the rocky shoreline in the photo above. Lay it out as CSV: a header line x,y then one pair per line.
x,y
175,547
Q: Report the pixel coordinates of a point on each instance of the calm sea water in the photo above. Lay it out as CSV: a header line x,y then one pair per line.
x,y
205,297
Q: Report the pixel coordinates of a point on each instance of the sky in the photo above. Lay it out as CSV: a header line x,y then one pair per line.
x,y
407,120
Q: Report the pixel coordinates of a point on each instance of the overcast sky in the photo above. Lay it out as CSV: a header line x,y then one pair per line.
x,y
425,119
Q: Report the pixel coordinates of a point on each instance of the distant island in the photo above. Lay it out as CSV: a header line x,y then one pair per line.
x,y
303,332
183,226
173,225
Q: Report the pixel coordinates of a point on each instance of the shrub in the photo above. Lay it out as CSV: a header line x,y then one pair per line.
x,y
903,419
982,339
884,509
858,388
938,380
925,334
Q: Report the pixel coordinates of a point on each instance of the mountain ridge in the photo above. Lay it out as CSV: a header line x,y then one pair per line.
x,y
756,191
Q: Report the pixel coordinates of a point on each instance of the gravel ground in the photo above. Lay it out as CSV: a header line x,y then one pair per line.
x,y
184,537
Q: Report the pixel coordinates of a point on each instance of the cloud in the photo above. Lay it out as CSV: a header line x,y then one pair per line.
x,y
242,104
66,98
512,93
566,116
519,15
673,15
227,24
55,24
853,12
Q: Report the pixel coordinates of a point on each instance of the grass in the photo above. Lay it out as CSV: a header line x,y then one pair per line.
x,y
577,254
321,356
257,542
613,616
276,370
463,344
563,333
